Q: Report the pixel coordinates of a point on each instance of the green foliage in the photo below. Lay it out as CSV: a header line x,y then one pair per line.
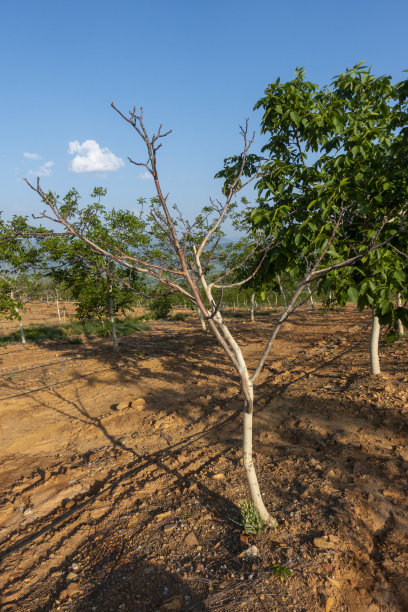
x,y
101,286
20,258
180,316
72,331
160,307
334,152
250,521
281,571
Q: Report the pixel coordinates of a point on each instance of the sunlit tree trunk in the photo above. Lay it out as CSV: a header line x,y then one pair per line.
x,y
400,326
374,341
202,320
311,297
252,307
58,311
281,290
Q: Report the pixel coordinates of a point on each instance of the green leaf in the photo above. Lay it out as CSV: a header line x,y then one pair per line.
x,y
353,294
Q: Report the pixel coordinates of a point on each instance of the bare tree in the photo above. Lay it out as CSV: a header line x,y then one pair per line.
x,y
186,270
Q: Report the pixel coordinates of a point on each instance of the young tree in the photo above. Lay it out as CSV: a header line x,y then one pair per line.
x,y
97,283
19,261
182,271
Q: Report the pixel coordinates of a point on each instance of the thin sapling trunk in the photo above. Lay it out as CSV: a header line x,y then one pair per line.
x,y
400,327
374,341
310,294
252,307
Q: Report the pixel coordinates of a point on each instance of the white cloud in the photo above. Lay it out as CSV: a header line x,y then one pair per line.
x,y
91,158
145,176
32,155
44,170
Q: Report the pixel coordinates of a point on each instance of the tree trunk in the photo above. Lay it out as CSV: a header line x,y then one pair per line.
x,y
252,308
20,322
58,311
374,340
112,320
311,297
202,320
249,467
248,391
281,290
400,326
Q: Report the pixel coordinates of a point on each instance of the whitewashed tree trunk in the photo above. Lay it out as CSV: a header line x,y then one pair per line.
x,y
20,323
311,297
65,313
252,307
113,323
202,320
374,341
249,467
58,311
281,289
400,326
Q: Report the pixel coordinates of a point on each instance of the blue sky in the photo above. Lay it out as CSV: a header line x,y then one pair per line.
x,y
197,67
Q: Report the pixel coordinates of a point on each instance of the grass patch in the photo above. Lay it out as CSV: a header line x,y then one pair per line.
x,y
231,314
180,316
72,331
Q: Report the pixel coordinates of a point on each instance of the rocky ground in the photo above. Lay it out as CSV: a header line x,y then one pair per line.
x,y
122,475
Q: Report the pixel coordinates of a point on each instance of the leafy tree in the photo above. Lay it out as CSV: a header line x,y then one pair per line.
x,y
179,267
334,182
99,286
19,261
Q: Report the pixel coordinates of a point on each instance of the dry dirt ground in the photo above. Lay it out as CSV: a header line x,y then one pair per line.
x,y
121,475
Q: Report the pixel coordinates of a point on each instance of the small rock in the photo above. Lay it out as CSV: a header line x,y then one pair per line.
x,y
139,404
97,513
190,539
244,540
122,406
163,515
252,551
326,542
175,603
72,576
218,476
329,604
73,589
75,567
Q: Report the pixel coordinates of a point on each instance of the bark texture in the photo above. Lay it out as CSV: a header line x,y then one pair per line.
x,y
374,341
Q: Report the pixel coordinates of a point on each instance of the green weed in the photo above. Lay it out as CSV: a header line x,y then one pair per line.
x,y
281,571
250,521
